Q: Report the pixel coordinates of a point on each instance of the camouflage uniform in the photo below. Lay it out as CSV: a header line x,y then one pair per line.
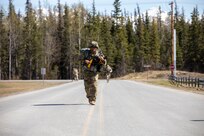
x,y
91,72
90,83
75,74
108,70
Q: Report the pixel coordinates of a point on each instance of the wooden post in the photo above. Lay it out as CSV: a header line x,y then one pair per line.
x,y
192,81
195,82
172,33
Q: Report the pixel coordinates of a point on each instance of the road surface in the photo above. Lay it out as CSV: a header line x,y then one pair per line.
x,y
123,108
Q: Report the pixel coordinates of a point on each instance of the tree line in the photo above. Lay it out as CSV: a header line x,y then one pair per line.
x,y
34,40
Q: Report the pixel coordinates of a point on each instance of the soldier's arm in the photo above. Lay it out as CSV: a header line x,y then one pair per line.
x,y
102,57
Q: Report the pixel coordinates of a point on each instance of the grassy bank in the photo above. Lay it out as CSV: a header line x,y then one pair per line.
x,y
10,88
161,78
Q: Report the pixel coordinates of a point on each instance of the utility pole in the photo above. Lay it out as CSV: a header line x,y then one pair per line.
x,y
172,37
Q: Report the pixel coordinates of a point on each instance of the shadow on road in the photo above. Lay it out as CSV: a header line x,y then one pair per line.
x,y
60,104
197,120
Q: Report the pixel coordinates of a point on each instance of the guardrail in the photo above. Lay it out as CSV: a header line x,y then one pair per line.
x,y
187,81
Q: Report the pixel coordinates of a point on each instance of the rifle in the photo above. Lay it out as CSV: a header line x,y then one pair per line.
x,y
96,61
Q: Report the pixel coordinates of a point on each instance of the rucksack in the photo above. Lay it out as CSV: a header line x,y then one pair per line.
x,y
95,64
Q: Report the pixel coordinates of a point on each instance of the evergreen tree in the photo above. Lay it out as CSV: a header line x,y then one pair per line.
x,y
28,46
131,41
201,45
159,22
130,32
147,46
93,24
120,41
106,43
165,48
61,45
139,53
184,38
193,57
67,45
4,58
122,57
180,39
155,47
117,11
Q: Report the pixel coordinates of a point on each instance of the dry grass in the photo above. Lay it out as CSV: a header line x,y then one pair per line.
x,y
161,78
10,88
147,75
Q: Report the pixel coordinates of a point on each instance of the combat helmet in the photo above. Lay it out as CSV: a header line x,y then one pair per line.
x,y
93,44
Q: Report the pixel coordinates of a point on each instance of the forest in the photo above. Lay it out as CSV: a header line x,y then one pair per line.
x,y
33,40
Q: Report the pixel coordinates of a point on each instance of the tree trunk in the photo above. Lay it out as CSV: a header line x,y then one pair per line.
x,y
10,42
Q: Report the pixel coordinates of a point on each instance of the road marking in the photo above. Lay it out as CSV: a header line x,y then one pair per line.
x,y
101,113
90,114
87,122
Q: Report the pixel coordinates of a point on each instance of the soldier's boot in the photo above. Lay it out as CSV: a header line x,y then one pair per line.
x,y
92,102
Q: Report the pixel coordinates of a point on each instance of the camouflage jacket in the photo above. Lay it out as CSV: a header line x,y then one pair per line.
x,y
95,65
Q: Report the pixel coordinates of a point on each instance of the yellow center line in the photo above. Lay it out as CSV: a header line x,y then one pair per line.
x,y
101,113
87,122
90,114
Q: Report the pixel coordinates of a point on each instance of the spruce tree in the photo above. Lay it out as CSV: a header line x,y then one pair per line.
x,y
193,56
184,38
180,39
201,45
28,46
67,45
139,53
147,46
106,40
123,54
61,45
120,41
165,48
4,58
117,11
131,42
155,47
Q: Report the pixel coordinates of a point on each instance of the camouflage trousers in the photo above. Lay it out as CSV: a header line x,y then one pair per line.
x,y
76,77
90,83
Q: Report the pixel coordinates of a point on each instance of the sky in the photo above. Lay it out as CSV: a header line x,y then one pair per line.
x,y
107,5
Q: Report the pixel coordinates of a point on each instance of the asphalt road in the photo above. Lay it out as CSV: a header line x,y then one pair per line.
x,y
123,108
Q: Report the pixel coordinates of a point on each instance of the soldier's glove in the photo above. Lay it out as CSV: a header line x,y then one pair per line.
x,y
87,61
102,60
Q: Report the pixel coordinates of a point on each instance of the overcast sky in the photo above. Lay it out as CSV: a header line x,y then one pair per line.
x,y
107,5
